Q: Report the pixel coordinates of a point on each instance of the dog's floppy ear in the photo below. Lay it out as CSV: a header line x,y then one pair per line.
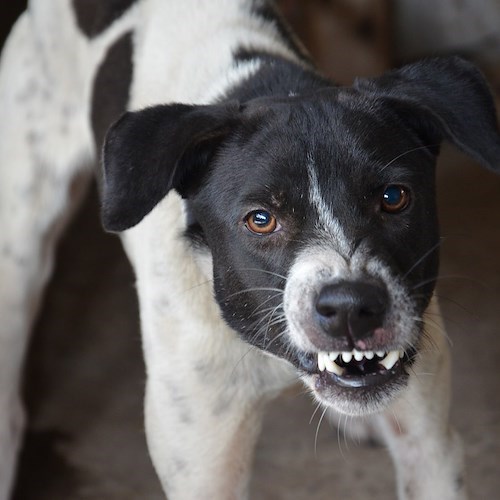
x,y
149,152
451,98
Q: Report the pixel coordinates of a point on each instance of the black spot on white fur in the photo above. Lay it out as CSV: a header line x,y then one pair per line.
x,y
111,89
94,16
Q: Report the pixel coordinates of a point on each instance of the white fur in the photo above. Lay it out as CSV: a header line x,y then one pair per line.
x,y
44,142
326,223
205,387
173,47
427,451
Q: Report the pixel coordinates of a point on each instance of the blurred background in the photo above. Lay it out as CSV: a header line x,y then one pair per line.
x,y
85,375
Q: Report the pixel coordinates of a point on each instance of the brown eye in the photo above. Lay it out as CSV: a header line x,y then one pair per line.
x,y
261,222
395,199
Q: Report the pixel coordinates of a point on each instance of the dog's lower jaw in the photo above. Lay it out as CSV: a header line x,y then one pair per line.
x,y
357,387
356,401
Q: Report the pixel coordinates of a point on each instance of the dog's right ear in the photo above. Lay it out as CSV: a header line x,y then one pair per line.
x,y
147,153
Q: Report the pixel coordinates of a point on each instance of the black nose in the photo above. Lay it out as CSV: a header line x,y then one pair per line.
x,y
352,309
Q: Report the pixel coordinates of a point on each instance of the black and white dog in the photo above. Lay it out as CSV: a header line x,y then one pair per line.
x,y
279,226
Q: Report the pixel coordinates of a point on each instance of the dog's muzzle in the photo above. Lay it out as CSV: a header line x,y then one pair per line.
x,y
351,315
352,341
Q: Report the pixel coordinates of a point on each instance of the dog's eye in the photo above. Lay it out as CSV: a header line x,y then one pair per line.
x,y
261,222
395,199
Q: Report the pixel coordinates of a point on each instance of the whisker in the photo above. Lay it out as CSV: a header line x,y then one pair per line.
x,y
317,431
397,420
244,355
269,323
265,271
456,303
338,438
203,283
318,406
267,315
406,153
257,309
255,289
346,443
421,259
452,276
274,339
427,338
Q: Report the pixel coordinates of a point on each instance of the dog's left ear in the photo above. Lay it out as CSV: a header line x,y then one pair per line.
x,y
147,153
450,99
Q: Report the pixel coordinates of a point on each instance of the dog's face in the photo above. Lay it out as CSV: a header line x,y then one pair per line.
x,y
318,212
323,236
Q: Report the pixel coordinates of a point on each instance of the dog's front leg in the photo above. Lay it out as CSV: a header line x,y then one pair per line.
x,y
203,413
427,452
201,436
206,388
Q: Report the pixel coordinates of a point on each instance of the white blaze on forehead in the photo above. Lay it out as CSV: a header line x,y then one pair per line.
x,y
327,222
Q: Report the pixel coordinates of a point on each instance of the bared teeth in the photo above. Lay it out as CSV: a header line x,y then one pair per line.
x,y
358,356
333,367
326,363
346,357
390,360
326,360
321,361
333,355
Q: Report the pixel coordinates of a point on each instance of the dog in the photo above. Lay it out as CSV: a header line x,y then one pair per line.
x,y
280,227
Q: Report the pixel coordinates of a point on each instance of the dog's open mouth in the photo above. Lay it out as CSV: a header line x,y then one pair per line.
x,y
356,369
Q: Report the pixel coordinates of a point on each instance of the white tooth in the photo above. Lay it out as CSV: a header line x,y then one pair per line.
x,y
369,354
358,356
321,361
390,360
347,356
380,354
333,367
401,354
333,355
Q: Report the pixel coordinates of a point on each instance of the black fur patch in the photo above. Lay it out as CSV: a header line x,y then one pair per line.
x,y
111,87
94,16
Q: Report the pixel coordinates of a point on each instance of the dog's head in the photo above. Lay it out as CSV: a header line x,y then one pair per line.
x,y
318,211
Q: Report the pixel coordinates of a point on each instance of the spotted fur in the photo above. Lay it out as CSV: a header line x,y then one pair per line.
x,y
227,115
